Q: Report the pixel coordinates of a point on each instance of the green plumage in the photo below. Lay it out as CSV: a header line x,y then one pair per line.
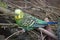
x,y
28,22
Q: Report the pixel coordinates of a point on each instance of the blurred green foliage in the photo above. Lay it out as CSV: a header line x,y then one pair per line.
x,y
3,4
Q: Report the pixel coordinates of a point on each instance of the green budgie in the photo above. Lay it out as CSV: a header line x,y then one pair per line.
x,y
27,21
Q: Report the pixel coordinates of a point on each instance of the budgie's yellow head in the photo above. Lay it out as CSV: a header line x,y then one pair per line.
x,y
18,14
